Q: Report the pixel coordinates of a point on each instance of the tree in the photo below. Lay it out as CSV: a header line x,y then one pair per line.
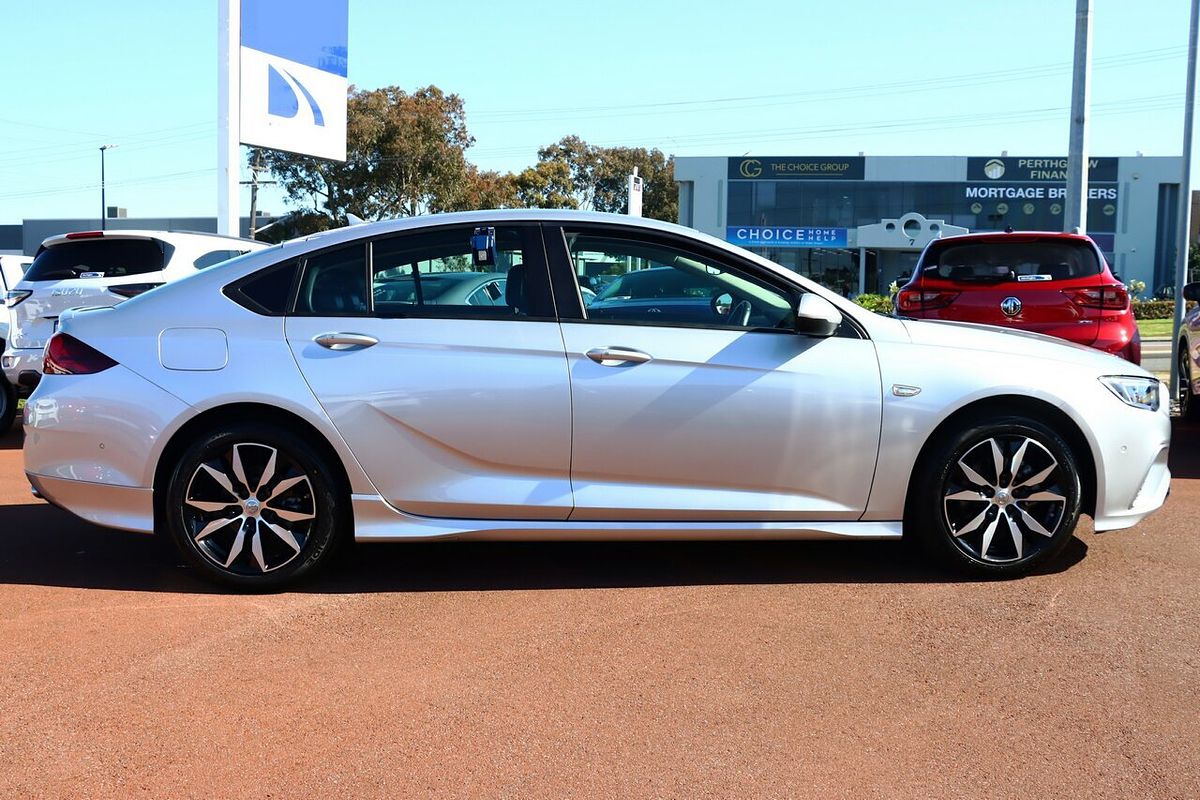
x,y
574,174
405,155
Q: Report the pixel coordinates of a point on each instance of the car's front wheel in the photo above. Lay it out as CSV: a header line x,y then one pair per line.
x,y
253,506
999,498
1189,408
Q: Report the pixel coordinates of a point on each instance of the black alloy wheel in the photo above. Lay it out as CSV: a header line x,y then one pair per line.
x,y
998,499
253,506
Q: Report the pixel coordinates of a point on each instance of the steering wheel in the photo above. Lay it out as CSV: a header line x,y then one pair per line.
x,y
739,315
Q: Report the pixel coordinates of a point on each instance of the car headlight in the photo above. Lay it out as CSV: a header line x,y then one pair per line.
x,y
1134,391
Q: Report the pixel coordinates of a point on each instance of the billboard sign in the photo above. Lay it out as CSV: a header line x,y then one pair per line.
x,y
293,75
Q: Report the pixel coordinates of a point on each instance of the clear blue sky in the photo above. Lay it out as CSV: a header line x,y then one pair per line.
x,y
769,77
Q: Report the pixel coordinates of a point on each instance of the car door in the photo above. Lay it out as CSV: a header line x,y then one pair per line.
x,y
453,410
694,399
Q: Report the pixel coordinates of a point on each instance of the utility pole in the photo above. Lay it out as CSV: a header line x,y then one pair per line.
x,y
254,183
1075,207
1183,222
103,200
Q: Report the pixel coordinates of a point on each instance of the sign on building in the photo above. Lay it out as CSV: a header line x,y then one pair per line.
x,y
775,236
293,75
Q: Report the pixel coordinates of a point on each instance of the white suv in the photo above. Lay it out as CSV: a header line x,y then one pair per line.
x,y
12,268
97,268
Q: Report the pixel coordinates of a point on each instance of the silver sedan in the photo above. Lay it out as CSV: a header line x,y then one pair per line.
x,y
264,410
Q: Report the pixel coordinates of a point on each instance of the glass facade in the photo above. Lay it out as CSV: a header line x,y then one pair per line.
x,y
975,205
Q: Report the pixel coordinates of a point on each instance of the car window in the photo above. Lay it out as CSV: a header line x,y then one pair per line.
x,y
435,274
97,258
335,283
267,291
987,262
215,257
658,284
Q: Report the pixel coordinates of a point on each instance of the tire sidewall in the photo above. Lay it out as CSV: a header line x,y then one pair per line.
x,y
322,538
930,523
8,404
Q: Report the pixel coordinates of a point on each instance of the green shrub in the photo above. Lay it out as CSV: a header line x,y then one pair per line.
x,y
878,303
1154,309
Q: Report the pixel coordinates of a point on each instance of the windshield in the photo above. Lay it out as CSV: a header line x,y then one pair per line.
x,y
1027,261
97,258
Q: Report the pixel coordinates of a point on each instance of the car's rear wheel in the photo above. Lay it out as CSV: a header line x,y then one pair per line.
x,y
999,498
8,404
253,506
1188,407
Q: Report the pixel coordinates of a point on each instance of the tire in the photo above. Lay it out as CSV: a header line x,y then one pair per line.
x,y
283,531
985,524
8,405
1189,406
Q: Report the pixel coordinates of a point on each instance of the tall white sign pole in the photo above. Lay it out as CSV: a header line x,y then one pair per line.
x,y
1075,207
1183,223
229,153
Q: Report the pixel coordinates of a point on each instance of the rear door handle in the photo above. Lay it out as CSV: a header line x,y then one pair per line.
x,y
345,341
617,356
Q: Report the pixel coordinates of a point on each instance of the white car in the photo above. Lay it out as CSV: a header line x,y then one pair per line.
x,y
261,411
98,268
12,268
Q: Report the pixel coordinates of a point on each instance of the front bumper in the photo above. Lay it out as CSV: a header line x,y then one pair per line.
x,y
1133,478
23,368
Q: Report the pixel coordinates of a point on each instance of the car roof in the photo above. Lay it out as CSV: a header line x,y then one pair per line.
x,y
1015,236
555,216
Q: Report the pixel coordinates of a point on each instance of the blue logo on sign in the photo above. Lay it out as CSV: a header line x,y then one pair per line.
x,y
283,96
764,236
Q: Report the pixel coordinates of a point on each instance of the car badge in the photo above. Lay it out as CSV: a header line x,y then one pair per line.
x,y
1011,306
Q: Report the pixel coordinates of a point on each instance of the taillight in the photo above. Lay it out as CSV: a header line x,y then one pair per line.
x,y
1110,298
133,289
924,299
14,297
66,355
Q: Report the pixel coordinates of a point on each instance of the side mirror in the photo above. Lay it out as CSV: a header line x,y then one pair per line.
x,y
1191,292
816,316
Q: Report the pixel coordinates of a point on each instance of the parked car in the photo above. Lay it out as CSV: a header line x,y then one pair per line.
x,y
1056,284
98,268
263,410
1189,356
11,269
446,288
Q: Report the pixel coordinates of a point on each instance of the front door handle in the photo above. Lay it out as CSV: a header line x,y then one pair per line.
x,y
617,356
345,341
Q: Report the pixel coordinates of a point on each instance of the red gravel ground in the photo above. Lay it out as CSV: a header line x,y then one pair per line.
x,y
601,670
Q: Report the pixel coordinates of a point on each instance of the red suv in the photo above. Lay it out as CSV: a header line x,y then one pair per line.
x,y
1053,283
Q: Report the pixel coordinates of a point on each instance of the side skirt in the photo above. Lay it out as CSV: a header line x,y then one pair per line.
x,y
376,521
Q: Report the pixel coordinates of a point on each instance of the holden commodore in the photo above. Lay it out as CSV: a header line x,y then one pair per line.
x,y
262,411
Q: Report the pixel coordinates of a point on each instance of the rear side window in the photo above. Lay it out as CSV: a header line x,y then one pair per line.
x,y
266,292
97,258
215,257
996,262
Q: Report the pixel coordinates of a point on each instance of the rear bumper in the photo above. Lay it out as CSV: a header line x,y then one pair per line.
x,y
126,508
23,368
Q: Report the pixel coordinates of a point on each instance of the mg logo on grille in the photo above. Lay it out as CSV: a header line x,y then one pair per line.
x,y
1011,306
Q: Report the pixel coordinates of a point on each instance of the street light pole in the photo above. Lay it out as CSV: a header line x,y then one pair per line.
x,y
1183,220
1075,205
103,205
